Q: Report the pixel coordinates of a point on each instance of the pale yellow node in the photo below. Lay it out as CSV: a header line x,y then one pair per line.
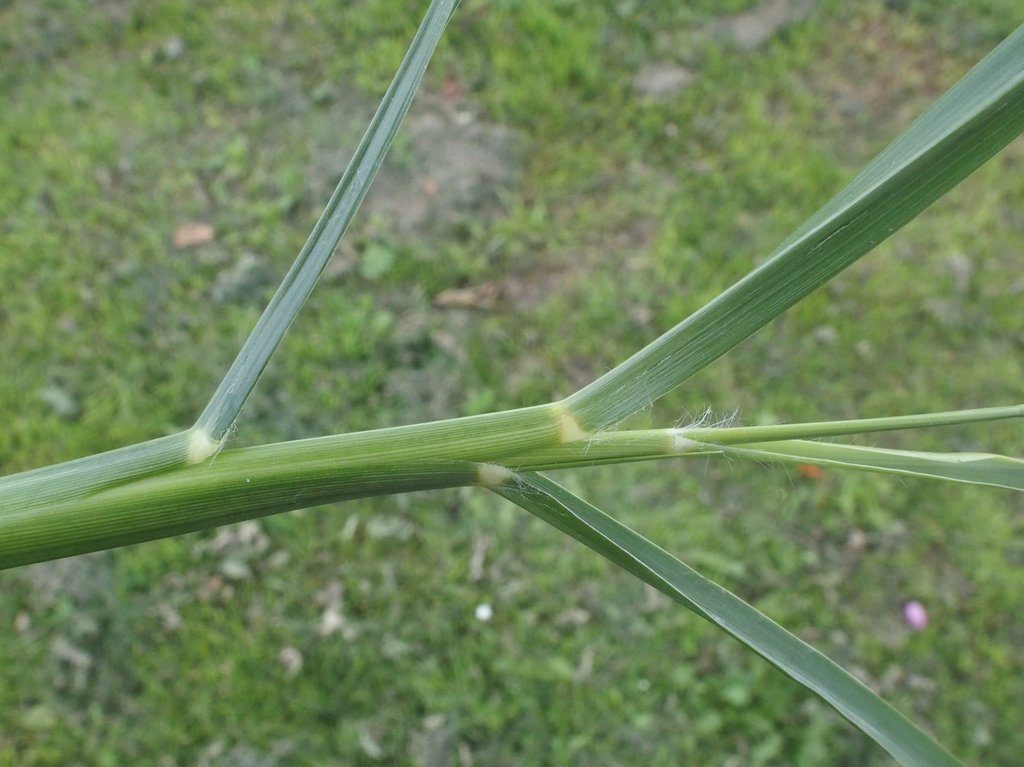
x,y
201,446
492,475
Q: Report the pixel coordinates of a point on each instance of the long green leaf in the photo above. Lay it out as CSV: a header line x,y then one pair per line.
x,y
885,725
968,468
971,122
234,389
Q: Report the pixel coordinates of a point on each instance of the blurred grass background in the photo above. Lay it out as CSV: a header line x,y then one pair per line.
x,y
575,178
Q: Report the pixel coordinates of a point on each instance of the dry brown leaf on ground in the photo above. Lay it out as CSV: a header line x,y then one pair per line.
x,y
192,233
482,296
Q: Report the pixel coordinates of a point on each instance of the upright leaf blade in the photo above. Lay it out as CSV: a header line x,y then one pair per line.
x,y
77,479
572,515
234,389
971,122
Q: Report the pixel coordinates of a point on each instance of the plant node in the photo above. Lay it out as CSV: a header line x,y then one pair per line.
x,y
201,446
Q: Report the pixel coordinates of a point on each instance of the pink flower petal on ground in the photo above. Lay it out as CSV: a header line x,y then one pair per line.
x,y
915,615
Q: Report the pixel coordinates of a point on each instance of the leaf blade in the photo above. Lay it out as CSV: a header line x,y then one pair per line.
x,y
909,745
978,116
966,468
229,397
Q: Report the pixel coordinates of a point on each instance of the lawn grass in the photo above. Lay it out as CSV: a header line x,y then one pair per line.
x,y
590,216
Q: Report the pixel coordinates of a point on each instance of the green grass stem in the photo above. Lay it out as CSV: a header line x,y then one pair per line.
x,y
83,476
255,481
647,444
93,503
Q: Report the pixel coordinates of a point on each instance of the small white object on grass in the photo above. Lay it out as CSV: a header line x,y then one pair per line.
x,y
483,612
